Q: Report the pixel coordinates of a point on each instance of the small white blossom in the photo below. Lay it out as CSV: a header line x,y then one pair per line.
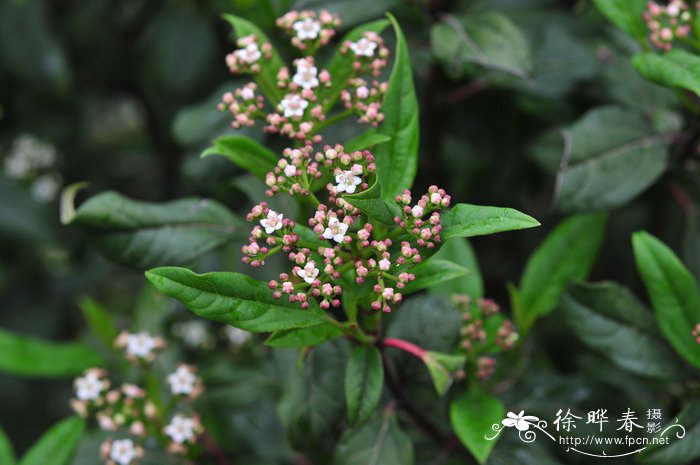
x,y
123,451
140,344
182,381
194,333
44,188
336,230
181,429
249,54
309,272
307,28
273,222
384,264
306,77
247,93
347,182
90,386
364,47
236,336
293,106
417,211
290,170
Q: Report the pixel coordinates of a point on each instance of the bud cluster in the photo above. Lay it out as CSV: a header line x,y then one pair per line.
x,y
422,220
667,23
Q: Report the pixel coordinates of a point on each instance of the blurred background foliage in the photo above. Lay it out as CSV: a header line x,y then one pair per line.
x,y
122,94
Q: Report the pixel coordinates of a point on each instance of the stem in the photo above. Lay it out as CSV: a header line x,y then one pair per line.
x,y
332,120
214,450
406,346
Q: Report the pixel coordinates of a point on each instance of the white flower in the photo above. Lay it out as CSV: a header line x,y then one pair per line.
x,y
306,77
182,381
249,54
307,28
347,182
236,336
336,230
290,170
247,93
364,47
417,211
44,188
293,105
140,344
384,264
194,333
273,222
180,429
123,451
309,272
90,386
520,421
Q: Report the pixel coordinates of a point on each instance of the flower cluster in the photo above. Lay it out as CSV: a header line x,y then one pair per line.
x,y
31,160
129,411
422,220
485,332
303,106
667,23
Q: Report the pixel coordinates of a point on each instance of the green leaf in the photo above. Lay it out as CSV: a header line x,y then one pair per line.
x,y
195,124
398,158
434,271
371,203
68,201
379,442
304,337
567,253
611,321
100,321
57,446
245,152
673,293
459,251
366,140
483,41
232,298
364,380
267,77
465,220
7,454
625,14
605,159
471,416
679,451
340,66
444,369
144,234
22,355
676,68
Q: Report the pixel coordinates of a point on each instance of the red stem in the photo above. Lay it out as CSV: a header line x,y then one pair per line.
x,y
406,347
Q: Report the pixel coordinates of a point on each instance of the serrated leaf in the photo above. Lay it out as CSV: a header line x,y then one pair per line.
x,y
28,356
472,415
676,68
673,293
371,203
267,77
145,234
379,442
397,159
364,380
233,298
245,152
433,271
459,251
57,445
465,220
625,14
567,253
611,321
304,337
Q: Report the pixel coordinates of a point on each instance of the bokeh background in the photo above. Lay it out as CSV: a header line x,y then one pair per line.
x,y
122,93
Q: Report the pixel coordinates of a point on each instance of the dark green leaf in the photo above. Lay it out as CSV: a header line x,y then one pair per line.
x,y
676,68
246,153
459,251
366,140
379,442
472,415
364,380
144,234
680,450
304,337
100,321
434,271
267,77
233,298
567,253
611,321
22,355
673,293
397,159
371,203
465,220
7,454
625,14
197,123
57,445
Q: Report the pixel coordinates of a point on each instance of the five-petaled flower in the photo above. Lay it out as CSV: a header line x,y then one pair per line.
x,y
336,229
91,385
309,272
347,182
364,47
181,429
249,54
293,106
307,29
273,222
184,381
520,421
306,76
121,452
